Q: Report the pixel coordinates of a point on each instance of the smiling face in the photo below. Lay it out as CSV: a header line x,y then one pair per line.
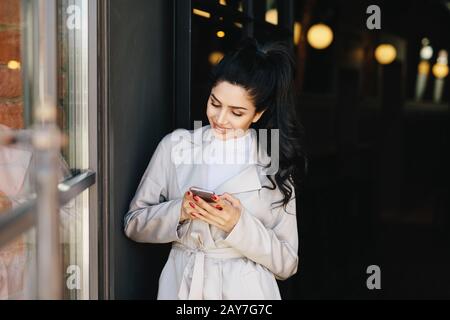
x,y
230,110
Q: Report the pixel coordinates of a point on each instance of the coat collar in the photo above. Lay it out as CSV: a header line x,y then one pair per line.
x,y
194,174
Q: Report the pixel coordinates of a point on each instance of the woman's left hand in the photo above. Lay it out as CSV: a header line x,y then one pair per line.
x,y
224,212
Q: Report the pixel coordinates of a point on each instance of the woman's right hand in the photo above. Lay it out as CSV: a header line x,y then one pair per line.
x,y
187,207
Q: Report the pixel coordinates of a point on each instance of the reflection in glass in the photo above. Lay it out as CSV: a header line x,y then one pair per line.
x,y
18,268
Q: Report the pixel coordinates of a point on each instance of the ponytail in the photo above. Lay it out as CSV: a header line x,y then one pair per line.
x,y
268,73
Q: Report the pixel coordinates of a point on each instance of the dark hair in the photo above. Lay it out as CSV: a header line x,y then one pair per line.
x,y
267,73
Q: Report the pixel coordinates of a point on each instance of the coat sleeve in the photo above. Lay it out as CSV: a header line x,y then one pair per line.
x,y
151,217
275,248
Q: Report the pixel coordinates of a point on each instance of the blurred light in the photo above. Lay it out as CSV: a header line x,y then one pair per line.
x,y
223,2
215,57
239,25
220,34
13,65
357,55
442,57
202,13
272,16
426,52
297,32
320,36
424,67
448,5
425,42
440,70
385,53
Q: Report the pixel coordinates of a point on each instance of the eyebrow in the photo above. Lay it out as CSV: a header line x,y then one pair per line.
x,y
234,107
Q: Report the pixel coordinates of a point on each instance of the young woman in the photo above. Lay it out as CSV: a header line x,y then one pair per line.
x,y
237,245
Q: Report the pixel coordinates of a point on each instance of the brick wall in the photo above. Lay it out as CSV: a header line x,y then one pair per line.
x,y
11,103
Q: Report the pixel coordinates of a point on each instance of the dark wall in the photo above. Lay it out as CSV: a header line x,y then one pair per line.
x,y
140,114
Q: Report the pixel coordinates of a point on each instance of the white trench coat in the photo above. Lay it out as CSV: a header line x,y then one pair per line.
x,y
206,262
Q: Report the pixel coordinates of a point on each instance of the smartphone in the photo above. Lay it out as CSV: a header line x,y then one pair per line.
x,y
202,193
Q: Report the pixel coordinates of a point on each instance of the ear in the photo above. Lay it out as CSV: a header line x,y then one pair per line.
x,y
257,116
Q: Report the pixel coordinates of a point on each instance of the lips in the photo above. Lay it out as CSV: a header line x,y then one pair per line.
x,y
219,128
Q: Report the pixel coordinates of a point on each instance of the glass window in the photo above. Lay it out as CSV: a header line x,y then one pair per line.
x,y
72,73
17,161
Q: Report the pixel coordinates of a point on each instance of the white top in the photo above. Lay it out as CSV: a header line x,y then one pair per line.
x,y
227,158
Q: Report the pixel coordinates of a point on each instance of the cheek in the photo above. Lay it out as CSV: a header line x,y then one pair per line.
x,y
211,111
239,123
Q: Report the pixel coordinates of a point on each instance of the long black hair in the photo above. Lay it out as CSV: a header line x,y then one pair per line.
x,y
267,74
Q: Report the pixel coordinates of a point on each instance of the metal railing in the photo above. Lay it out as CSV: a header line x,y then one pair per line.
x,y
16,221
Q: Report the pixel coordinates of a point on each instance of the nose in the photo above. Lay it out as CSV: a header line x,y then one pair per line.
x,y
222,118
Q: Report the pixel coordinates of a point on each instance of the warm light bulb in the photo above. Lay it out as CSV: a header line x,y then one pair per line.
x,y
424,67
297,32
13,65
215,57
440,70
320,36
220,34
385,53
272,16
201,13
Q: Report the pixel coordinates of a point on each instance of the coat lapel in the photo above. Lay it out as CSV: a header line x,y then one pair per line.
x,y
246,180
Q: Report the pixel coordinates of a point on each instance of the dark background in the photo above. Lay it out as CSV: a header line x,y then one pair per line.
x,y
377,188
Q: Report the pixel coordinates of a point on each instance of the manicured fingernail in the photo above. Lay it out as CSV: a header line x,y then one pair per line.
x,y
188,193
191,204
214,198
219,207
196,198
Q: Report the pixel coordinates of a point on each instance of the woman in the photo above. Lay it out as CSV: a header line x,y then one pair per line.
x,y
236,246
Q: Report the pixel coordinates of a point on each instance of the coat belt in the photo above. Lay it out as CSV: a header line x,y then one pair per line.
x,y
197,257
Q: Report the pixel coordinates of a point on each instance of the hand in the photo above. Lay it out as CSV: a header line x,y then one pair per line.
x,y
224,213
187,207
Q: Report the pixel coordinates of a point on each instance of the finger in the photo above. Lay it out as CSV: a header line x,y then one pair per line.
x,y
209,216
188,195
189,207
212,208
206,219
218,202
234,201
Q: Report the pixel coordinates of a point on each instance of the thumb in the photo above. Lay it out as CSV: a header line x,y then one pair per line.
x,y
234,201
